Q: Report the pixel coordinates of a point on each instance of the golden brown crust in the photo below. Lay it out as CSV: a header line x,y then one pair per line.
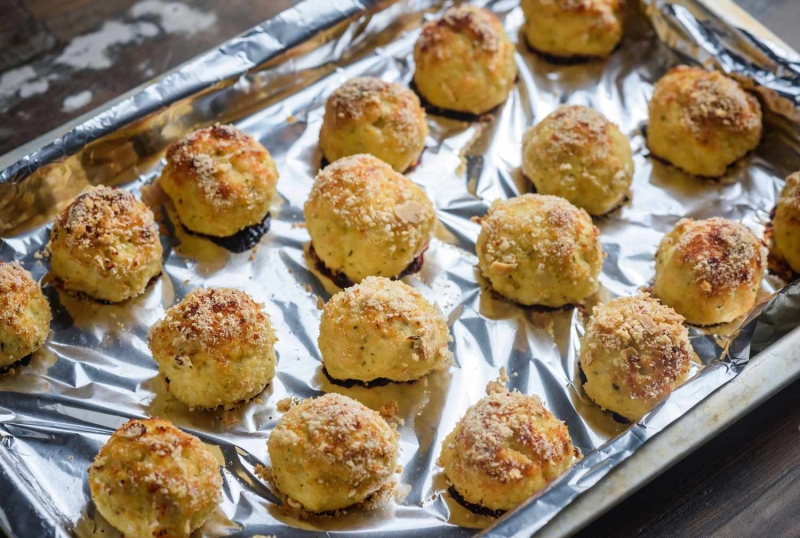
x,y
576,153
383,329
347,184
464,61
647,341
573,28
332,452
505,448
479,24
709,271
103,218
366,219
786,223
215,348
579,127
539,249
559,218
369,115
191,160
359,100
220,179
213,319
105,244
712,101
702,121
722,255
24,314
18,290
152,479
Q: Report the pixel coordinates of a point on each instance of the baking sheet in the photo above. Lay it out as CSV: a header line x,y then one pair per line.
x,y
96,370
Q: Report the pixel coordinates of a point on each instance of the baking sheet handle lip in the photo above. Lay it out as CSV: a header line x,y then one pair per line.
x,y
185,80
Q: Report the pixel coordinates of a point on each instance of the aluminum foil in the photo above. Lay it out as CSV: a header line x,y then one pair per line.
x,y
96,371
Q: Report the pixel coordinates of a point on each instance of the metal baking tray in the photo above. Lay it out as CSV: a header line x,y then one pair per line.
x,y
279,73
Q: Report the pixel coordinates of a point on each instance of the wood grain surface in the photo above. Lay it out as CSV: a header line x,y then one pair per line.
x,y
61,58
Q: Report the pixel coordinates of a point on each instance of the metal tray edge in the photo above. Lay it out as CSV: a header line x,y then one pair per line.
x,y
751,388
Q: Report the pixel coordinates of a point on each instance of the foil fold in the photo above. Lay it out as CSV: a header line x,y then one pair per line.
x,y
96,371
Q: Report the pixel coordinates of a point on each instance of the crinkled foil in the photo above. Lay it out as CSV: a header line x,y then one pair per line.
x,y
96,371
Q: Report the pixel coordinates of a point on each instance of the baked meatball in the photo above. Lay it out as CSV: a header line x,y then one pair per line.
x,y
702,121
540,250
576,153
215,348
465,61
709,271
220,180
634,353
368,115
105,244
382,328
331,452
366,219
507,447
786,223
151,479
24,314
573,28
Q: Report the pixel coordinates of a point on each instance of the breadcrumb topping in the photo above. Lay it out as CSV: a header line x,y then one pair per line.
x,y
152,475
24,313
354,188
17,291
702,121
331,421
225,164
576,153
548,230
213,319
580,129
388,106
540,250
717,99
572,29
648,339
509,436
710,100
215,348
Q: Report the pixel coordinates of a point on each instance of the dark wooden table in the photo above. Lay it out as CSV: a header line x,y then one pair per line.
x,y
61,58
